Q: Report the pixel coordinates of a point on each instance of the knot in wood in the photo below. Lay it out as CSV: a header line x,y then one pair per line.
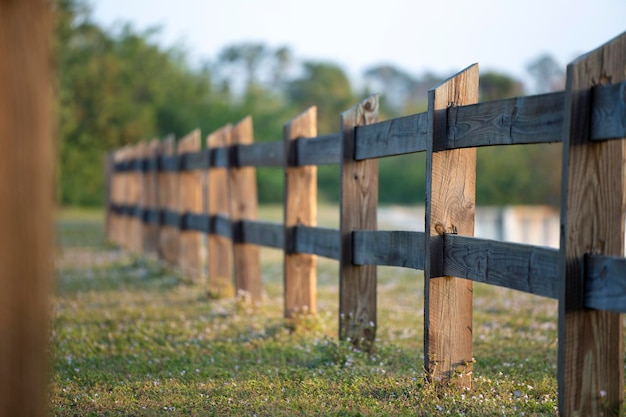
x,y
440,228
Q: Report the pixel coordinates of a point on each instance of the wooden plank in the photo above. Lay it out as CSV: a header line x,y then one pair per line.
x,y
608,116
514,121
605,286
219,246
592,221
531,269
197,222
27,120
190,201
300,208
244,206
271,235
168,200
391,248
320,150
169,163
450,203
399,136
519,120
359,200
263,154
317,240
150,201
222,226
191,161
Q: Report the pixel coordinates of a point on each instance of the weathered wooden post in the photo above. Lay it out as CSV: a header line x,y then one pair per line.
x,y
220,248
190,201
450,201
593,201
168,203
359,201
151,198
26,204
244,206
300,285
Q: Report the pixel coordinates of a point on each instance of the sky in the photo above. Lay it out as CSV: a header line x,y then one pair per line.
x,y
441,36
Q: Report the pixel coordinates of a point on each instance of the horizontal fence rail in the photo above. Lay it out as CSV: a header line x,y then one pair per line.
x,y
212,191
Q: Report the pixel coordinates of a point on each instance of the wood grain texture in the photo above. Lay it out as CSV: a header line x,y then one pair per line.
x,y
300,208
244,206
220,248
519,120
592,222
26,204
392,137
317,240
150,200
450,204
263,154
391,248
605,287
531,269
320,150
168,200
191,251
359,201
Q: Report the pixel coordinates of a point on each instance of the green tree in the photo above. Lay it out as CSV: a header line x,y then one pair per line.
x,y
495,86
326,86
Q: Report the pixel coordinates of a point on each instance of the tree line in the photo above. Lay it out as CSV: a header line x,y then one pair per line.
x,y
118,86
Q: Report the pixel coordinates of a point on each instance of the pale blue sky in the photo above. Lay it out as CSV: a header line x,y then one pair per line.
x,y
443,36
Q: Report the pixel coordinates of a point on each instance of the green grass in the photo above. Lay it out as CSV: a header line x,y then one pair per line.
x,y
131,337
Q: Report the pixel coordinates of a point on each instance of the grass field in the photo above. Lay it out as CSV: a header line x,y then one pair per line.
x,y
131,337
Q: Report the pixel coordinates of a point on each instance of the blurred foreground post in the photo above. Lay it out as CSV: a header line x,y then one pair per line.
x,y
26,204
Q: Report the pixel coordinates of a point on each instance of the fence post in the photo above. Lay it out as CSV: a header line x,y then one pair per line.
x,y
219,257
190,201
109,172
244,206
26,204
125,190
135,199
117,183
168,200
590,371
450,201
359,200
300,208
151,199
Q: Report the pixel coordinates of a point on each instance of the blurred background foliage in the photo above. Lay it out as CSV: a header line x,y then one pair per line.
x,y
117,86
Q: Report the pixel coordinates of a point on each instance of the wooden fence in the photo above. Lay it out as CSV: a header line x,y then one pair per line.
x,y
163,197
